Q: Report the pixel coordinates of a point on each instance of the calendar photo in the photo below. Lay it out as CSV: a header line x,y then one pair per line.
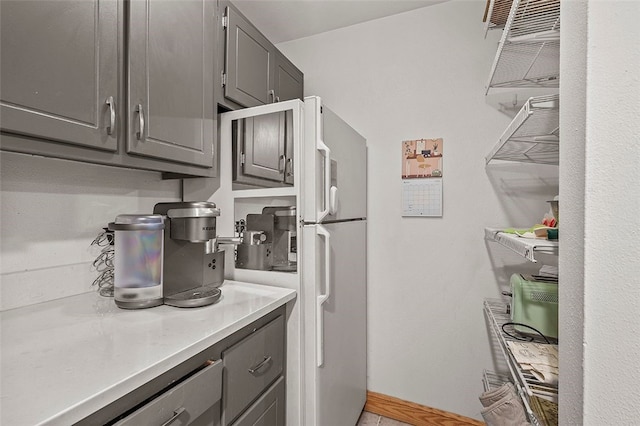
x,y
422,158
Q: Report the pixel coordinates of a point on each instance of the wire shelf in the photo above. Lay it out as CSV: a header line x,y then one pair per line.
x,y
533,136
529,50
525,247
492,380
527,385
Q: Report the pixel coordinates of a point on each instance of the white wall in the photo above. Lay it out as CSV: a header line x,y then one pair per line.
x,y
51,211
601,294
416,75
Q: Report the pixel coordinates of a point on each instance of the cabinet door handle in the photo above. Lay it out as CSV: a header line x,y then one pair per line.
x,y
140,132
272,93
290,166
281,163
262,363
176,413
112,115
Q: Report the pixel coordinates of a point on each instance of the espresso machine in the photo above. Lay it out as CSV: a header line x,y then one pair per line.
x,y
285,253
193,265
269,241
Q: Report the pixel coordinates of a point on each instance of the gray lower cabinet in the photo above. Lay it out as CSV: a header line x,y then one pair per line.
x,y
251,366
268,410
245,385
59,71
171,68
195,402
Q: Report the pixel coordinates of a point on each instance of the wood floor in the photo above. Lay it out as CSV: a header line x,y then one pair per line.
x,y
384,410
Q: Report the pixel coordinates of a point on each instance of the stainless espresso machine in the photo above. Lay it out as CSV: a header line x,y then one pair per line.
x,y
193,266
269,241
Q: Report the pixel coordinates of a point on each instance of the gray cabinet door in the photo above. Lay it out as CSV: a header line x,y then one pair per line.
x,y
59,71
261,143
248,62
288,80
268,410
171,66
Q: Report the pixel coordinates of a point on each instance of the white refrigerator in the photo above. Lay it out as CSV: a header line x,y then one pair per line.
x,y
326,325
333,257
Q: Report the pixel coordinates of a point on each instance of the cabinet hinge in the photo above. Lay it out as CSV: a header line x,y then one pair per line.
x,y
242,158
225,21
223,78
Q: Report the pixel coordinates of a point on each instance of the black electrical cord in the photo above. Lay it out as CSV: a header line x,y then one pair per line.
x,y
529,339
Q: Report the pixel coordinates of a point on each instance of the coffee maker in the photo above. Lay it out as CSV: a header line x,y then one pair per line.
x,y
285,253
193,266
270,240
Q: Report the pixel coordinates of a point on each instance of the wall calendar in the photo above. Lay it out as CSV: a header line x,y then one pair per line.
x,y
422,177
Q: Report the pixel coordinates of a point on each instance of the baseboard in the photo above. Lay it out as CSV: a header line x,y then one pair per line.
x,y
412,413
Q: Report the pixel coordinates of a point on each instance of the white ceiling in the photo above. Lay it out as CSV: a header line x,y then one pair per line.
x,y
284,20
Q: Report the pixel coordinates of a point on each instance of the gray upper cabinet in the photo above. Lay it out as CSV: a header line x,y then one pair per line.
x,y
59,71
260,145
248,76
171,68
253,71
288,80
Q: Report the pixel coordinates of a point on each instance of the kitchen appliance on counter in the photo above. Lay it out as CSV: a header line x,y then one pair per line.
x,y
534,304
193,265
138,266
269,241
323,239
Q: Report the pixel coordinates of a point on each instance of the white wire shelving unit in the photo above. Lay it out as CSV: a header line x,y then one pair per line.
x,y
529,51
525,247
526,384
492,380
533,135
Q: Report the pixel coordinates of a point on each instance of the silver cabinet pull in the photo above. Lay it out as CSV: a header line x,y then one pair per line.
x,y
112,115
281,163
272,93
140,132
262,363
290,166
176,413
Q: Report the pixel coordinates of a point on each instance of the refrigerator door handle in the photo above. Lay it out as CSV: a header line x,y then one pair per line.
x,y
322,298
320,146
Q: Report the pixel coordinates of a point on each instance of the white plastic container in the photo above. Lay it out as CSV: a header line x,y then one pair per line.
x,y
138,266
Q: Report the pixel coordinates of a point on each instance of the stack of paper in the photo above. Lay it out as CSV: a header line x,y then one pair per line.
x,y
539,359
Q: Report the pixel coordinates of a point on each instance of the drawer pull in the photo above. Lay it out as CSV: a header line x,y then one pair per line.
x,y
176,413
264,362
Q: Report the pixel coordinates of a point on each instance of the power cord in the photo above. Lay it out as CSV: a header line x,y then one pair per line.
x,y
525,339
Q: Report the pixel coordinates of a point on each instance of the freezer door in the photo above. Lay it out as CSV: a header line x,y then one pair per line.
x,y
335,166
334,297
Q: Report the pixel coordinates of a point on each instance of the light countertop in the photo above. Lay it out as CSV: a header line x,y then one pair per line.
x,y
65,359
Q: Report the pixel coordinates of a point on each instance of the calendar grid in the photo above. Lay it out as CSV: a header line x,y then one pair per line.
x,y
422,197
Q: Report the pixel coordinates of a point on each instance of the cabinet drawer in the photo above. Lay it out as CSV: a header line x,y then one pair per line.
x,y
268,410
183,403
250,366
